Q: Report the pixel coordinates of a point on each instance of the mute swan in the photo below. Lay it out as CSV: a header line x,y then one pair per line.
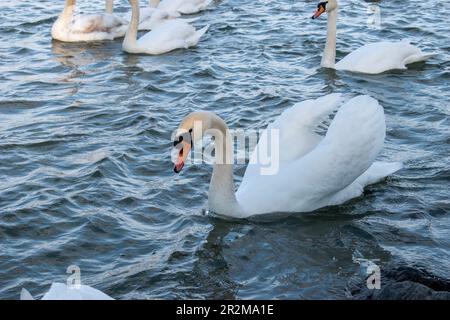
x,y
168,36
87,27
313,172
184,6
149,17
60,291
371,58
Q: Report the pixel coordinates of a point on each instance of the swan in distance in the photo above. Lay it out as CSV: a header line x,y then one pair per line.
x,y
60,291
371,58
184,6
168,36
71,27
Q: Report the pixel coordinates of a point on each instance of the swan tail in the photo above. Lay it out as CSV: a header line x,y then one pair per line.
x,y
418,57
25,295
378,171
190,20
198,34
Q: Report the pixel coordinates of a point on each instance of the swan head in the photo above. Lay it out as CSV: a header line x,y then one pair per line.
x,y
325,6
191,129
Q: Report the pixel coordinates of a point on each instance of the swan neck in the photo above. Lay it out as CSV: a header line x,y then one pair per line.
x,y
69,8
222,198
109,6
329,55
131,36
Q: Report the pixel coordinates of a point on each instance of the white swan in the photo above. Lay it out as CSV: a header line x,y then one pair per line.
x,y
371,58
70,27
149,16
60,291
314,171
168,36
184,6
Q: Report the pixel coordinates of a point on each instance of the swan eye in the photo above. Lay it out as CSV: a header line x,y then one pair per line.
x,y
322,5
181,138
190,137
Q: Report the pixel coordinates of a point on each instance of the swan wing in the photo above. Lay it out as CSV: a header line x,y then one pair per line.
x,y
354,139
150,17
297,132
352,142
60,291
170,35
376,172
379,57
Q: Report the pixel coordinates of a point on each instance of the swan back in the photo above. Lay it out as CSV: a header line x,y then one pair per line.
x,y
379,57
170,35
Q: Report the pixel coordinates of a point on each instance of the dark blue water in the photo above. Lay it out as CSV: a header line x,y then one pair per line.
x,y
86,177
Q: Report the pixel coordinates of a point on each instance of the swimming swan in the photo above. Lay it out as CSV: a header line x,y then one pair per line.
x,y
371,58
313,171
168,36
70,27
149,16
60,291
184,6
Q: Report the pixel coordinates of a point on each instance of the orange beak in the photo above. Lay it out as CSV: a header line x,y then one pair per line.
x,y
319,11
182,156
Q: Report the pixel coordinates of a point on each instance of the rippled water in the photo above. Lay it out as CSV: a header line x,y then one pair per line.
x,y
85,169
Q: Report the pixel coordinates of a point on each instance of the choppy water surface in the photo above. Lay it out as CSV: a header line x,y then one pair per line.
x,y
85,169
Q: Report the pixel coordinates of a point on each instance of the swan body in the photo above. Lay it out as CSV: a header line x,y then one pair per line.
x,y
168,36
70,27
60,291
371,58
314,171
379,57
184,6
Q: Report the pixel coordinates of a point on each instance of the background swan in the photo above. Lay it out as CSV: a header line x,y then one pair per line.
x,y
70,27
60,291
149,16
184,6
371,58
168,36
314,171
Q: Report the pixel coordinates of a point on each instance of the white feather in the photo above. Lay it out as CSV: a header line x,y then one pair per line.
x,y
315,171
184,6
60,291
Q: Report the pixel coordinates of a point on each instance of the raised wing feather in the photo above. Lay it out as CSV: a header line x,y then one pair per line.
x,y
296,128
349,148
